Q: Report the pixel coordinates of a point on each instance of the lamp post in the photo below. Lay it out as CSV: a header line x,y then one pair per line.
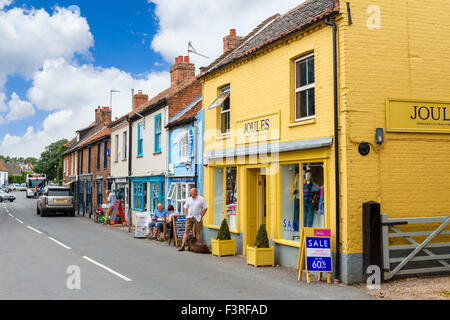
x,y
110,97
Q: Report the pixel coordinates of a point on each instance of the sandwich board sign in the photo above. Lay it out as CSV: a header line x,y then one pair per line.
x,y
315,253
118,213
179,228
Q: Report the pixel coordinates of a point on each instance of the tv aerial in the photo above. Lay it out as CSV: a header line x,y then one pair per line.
x,y
191,49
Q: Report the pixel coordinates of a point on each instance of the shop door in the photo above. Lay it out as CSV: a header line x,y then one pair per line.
x,y
252,206
81,198
262,210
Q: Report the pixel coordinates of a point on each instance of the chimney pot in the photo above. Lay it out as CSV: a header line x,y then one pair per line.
x,y
231,41
233,32
186,59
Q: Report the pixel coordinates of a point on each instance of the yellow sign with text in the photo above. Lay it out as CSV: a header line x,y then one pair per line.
x,y
417,116
260,129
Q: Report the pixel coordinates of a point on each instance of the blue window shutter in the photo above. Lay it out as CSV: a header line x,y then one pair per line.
x,y
158,129
191,143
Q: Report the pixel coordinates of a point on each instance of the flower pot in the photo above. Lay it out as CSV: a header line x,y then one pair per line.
x,y
223,247
261,256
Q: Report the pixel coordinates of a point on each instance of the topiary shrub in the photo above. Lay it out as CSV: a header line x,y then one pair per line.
x,y
262,240
224,231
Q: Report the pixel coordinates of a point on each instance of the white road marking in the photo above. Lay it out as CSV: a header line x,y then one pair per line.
x,y
19,221
37,231
11,215
61,244
107,269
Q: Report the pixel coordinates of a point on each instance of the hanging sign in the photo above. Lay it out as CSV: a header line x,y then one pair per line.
x,y
315,253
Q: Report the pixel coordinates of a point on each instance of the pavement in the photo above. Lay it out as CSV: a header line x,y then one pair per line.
x,y
39,255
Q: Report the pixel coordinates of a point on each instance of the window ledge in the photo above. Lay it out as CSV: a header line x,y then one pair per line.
x,y
290,243
303,122
211,226
157,153
223,137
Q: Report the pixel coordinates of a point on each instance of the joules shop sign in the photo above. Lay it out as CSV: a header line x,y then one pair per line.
x,y
417,116
259,129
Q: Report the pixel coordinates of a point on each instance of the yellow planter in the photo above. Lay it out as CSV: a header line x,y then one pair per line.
x,y
223,247
261,257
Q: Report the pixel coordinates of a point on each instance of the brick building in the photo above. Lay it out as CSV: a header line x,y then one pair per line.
x,y
86,163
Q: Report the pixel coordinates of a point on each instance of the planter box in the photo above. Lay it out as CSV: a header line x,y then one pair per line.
x,y
223,247
261,257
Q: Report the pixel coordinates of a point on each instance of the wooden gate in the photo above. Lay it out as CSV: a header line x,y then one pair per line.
x,y
420,257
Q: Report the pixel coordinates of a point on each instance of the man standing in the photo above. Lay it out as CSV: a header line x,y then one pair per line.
x,y
195,209
110,205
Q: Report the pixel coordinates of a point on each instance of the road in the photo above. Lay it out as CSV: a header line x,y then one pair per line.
x,y
35,254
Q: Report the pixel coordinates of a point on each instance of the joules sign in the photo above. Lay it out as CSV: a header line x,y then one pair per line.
x,y
417,116
259,129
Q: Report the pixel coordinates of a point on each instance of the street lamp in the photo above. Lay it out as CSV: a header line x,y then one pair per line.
x,y
110,97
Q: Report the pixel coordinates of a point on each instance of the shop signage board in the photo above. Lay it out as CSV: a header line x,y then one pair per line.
x,y
260,129
417,116
179,228
118,213
315,253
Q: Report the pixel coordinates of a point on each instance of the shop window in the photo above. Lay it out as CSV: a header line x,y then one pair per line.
x,y
138,196
99,193
156,195
304,88
225,203
302,199
178,194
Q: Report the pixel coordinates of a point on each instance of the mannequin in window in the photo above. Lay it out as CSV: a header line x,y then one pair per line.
x,y
309,189
296,199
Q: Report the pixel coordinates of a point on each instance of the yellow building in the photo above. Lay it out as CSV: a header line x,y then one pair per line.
x,y
270,132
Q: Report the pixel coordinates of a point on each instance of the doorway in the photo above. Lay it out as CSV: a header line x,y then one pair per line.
x,y
256,203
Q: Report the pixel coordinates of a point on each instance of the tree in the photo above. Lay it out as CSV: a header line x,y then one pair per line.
x,y
224,231
50,159
262,240
59,173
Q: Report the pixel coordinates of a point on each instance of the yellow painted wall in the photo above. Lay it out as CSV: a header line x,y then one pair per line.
x,y
263,85
407,58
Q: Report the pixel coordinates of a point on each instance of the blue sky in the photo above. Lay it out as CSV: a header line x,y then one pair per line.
x,y
58,65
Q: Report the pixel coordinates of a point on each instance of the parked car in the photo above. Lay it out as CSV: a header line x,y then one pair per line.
x,y
4,196
54,200
21,187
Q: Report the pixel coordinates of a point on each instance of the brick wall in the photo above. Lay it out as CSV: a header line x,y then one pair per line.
x,y
183,98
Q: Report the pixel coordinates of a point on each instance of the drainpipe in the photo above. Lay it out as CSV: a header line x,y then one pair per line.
x,y
130,146
336,148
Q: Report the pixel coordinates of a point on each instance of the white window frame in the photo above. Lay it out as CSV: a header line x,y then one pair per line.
x,y
225,90
175,187
304,88
125,144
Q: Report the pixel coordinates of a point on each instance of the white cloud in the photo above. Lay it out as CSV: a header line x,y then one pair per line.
x,y
60,85
206,22
3,107
19,109
5,3
33,36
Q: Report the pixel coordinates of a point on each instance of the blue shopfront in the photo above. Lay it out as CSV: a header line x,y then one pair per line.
x,y
147,192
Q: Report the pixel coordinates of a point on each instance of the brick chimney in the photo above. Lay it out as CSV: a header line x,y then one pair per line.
x,y
103,115
181,71
231,41
139,100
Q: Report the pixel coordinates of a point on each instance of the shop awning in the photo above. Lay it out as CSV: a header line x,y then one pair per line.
x,y
219,100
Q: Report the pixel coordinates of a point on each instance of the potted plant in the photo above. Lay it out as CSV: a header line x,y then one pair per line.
x,y
223,245
261,254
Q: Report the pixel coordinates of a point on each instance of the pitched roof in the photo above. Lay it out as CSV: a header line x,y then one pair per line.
x,y
92,132
278,27
188,114
3,166
104,132
13,169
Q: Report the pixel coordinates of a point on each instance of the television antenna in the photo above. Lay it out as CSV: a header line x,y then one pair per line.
x,y
191,49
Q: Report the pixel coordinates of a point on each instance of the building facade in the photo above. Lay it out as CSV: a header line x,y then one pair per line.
x,y
185,154
3,173
270,125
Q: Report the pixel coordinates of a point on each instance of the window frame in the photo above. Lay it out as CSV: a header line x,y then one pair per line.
x,y
125,145
140,139
99,156
116,148
138,196
227,112
105,155
305,88
89,159
224,197
158,133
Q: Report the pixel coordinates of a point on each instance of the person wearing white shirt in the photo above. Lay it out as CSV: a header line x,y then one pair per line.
x,y
110,205
195,209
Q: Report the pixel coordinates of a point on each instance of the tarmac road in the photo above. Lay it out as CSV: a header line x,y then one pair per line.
x,y
36,252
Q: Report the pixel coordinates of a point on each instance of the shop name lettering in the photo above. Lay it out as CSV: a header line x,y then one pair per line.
x,y
257,126
425,113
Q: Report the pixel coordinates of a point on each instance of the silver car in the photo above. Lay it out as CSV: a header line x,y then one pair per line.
x,y
7,197
56,200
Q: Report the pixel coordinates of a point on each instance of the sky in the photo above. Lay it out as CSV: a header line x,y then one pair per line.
x,y
60,59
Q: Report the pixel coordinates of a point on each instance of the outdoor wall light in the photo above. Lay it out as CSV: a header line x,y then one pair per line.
x,y
379,136
188,165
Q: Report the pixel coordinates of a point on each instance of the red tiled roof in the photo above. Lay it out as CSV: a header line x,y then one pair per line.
x,y
269,31
3,166
188,115
105,132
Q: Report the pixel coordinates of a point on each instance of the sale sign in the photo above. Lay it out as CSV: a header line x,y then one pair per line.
x,y
318,254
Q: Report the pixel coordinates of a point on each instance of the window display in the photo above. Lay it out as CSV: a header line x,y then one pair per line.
x,y
178,194
218,197
302,198
225,208
231,197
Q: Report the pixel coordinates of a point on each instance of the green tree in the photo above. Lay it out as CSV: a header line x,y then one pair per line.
x,y
50,159
224,231
59,173
262,240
